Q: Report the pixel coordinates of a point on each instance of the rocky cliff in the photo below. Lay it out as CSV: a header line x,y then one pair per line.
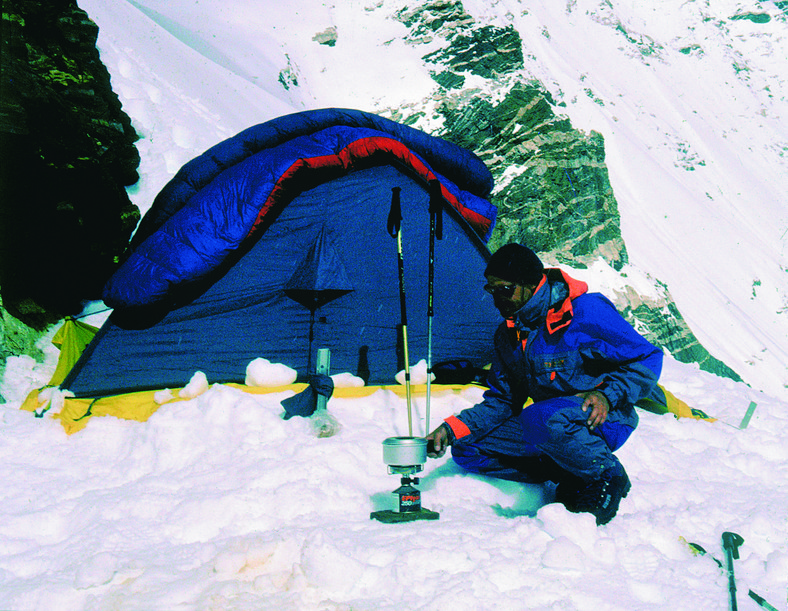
x,y
67,152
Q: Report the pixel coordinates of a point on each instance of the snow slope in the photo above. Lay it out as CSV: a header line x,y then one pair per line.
x,y
218,503
693,106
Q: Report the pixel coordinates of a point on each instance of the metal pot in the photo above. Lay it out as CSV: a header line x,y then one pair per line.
x,y
405,451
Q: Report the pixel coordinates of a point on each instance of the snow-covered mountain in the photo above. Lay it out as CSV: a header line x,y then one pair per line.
x,y
218,503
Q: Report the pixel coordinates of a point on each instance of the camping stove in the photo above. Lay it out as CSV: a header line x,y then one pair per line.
x,y
405,456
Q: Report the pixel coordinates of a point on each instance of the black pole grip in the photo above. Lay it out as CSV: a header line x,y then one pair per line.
x,y
394,221
436,206
732,541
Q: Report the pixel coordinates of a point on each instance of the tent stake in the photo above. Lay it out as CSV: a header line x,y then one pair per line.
x,y
395,230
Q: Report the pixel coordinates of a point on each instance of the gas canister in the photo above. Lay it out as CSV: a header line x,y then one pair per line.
x,y
407,497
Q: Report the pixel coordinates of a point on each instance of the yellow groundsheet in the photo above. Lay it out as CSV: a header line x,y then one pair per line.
x,y
140,405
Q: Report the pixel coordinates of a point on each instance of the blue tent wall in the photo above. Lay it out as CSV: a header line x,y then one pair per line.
x,y
244,313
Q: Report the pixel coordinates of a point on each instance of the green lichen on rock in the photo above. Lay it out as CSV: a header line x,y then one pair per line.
x,y
426,19
327,37
754,17
448,79
487,52
693,49
659,320
645,45
554,192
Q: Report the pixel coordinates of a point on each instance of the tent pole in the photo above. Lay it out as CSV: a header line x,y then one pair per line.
x,y
436,230
408,398
429,321
395,230
311,340
429,373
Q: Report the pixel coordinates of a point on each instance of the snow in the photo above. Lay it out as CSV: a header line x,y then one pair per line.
x,y
261,372
217,502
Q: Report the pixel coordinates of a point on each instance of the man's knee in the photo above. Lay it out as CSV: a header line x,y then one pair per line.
x,y
469,458
549,419
552,419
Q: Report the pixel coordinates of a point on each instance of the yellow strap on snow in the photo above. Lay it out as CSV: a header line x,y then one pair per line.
x,y
356,391
673,405
76,412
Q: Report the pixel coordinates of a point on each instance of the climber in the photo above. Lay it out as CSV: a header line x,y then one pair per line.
x,y
582,365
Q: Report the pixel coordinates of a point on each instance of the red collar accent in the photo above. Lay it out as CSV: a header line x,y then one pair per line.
x,y
560,314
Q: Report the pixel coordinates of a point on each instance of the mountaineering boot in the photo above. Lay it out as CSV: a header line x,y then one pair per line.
x,y
600,497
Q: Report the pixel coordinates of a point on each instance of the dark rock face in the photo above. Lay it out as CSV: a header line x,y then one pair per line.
x,y
552,187
67,151
559,200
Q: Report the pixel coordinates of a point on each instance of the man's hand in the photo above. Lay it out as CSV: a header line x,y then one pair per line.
x,y
600,407
440,441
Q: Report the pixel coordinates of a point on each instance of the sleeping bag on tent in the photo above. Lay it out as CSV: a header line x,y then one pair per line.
x,y
274,243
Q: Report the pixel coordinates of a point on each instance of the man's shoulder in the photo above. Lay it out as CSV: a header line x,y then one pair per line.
x,y
502,330
591,303
591,299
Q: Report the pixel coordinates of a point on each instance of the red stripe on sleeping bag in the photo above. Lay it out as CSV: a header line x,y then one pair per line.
x,y
357,155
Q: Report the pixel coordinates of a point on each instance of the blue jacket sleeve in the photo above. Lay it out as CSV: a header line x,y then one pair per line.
x,y
625,366
499,403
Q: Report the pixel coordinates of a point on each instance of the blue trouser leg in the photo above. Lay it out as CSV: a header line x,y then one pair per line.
x,y
525,446
502,453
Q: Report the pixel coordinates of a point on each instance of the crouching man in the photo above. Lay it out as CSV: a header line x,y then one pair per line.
x,y
583,366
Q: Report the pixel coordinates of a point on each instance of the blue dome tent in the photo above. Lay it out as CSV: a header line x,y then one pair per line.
x,y
279,235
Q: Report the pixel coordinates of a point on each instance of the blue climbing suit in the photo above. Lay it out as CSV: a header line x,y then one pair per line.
x,y
563,341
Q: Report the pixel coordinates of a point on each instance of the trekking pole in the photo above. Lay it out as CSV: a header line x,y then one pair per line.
x,y
698,550
436,231
730,543
395,230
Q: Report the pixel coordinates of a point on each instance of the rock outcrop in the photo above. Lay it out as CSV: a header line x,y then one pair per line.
x,y
67,153
552,185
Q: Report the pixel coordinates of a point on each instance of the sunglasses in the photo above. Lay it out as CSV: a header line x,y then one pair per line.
x,y
501,290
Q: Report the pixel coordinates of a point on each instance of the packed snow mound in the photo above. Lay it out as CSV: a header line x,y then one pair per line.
x,y
261,372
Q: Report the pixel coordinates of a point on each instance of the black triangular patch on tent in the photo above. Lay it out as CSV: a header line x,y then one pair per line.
x,y
321,277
